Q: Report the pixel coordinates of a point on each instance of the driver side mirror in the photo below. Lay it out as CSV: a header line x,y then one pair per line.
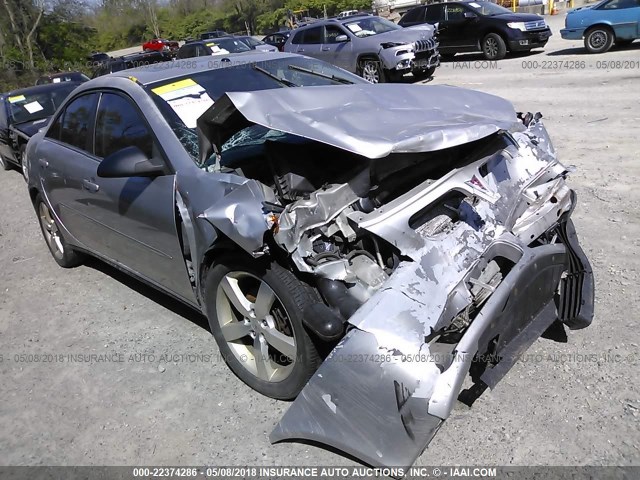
x,y
470,15
128,162
342,38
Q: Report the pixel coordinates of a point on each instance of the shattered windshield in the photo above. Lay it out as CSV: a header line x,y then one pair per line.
x,y
182,100
368,26
27,107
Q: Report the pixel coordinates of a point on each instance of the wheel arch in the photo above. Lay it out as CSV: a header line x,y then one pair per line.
x,y
602,24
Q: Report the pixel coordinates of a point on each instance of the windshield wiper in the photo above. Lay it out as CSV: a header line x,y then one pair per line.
x,y
323,75
283,81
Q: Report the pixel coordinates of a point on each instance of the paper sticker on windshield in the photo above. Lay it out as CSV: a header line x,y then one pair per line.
x,y
33,107
16,99
475,5
182,88
211,44
57,80
189,109
354,27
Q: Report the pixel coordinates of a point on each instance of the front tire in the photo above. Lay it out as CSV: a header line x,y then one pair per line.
x,y
62,253
255,313
371,70
598,40
493,47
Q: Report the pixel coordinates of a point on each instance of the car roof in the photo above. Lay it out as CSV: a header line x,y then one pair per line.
x,y
41,88
341,21
167,70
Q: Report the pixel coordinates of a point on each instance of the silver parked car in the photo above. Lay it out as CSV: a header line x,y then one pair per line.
x,y
410,231
373,47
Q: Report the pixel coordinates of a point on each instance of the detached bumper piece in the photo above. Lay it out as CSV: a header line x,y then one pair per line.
x,y
384,406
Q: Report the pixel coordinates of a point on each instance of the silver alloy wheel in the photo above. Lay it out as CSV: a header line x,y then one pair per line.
x,y
50,230
256,326
371,72
491,47
598,39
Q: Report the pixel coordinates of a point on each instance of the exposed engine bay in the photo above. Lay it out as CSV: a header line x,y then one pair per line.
x,y
432,245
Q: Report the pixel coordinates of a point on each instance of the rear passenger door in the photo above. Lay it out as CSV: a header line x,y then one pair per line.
x,y
308,42
65,158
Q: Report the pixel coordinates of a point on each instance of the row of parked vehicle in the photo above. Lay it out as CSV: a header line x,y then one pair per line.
x,y
369,46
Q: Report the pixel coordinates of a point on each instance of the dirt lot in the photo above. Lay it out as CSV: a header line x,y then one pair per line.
x,y
579,408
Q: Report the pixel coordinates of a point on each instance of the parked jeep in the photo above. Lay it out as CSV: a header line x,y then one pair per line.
x,y
375,48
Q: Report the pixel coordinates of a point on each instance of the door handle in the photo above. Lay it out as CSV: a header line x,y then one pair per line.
x,y
43,163
89,185
325,49
300,50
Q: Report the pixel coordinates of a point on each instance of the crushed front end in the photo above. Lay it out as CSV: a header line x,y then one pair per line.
x,y
444,245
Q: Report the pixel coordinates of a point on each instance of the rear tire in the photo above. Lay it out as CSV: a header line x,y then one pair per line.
x,y
255,313
493,47
62,253
598,39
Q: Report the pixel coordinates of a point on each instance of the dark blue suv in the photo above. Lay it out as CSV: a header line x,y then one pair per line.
x,y
480,27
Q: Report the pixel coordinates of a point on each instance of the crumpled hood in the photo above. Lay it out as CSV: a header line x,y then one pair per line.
x,y
31,128
368,120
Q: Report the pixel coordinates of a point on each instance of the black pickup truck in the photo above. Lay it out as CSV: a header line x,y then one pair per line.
x,y
471,26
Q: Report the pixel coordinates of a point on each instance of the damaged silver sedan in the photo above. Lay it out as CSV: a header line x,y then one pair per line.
x,y
364,248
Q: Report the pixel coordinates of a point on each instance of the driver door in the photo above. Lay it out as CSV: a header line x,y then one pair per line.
x,y
135,215
458,30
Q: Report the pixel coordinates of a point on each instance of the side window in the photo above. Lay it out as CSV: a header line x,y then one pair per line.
x,y
434,13
298,38
455,13
621,4
413,16
331,32
203,51
77,122
55,129
119,125
186,52
313,36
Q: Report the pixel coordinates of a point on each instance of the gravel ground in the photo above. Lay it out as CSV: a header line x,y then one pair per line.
x,y
563,411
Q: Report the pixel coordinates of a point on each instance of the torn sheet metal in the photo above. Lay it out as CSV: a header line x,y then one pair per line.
x,y
369,120
392,373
